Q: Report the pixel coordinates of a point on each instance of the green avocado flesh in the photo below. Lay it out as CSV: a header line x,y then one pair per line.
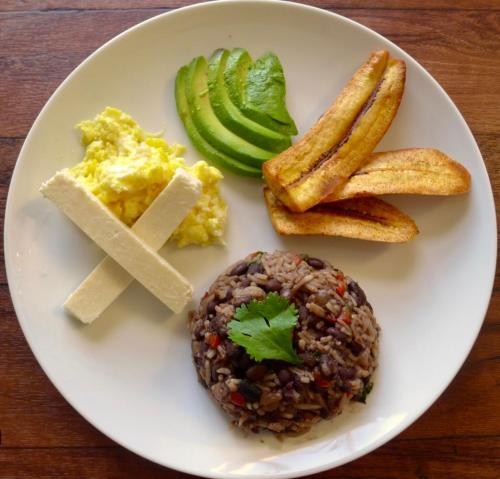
x,y
229,114
210,127
216,157
233,110
235,75
265,91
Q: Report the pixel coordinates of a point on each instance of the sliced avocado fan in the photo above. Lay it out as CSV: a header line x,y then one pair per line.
x,y
229,114
234,111
218,158
210,127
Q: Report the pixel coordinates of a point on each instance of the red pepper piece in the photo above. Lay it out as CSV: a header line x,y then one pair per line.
x,y
213,340
340,289
238,398
346,317
321,381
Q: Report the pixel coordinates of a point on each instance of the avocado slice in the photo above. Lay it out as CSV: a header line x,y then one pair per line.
x,y
235,75
229,114
209,126
218,158
259,90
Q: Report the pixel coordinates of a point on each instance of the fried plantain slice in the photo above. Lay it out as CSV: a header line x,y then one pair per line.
x,y
420,171
341,141
362,218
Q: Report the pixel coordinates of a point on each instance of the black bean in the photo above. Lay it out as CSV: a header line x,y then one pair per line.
x,y
272,285
211,306
239,269
228,296
256,372
285,376
357,292
255,267
244,362
244,283
315,263
232,350
324,413
347,372
339,335
273,416
289,393
251,391
355,348
308,359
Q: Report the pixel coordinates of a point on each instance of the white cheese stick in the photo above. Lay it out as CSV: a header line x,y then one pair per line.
x,y
108,279
117,240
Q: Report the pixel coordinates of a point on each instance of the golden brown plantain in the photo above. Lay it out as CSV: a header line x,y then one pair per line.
x,y
420,171
363,218
341,141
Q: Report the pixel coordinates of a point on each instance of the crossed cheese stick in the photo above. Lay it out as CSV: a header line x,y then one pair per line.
x,y
132,251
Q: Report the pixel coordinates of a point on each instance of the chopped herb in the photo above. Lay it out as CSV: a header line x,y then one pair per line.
x,y
265,328
361,397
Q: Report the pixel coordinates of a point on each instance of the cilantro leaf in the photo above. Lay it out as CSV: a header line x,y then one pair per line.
x,y
264,328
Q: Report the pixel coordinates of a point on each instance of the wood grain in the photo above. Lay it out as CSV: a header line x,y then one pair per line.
x,y
49,5
41,436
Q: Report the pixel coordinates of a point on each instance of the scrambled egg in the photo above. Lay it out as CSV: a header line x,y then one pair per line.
x,y
126,168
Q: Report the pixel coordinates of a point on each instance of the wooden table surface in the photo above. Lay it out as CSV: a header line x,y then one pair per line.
x,y
457,41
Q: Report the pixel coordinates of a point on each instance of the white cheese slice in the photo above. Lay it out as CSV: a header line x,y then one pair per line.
x,y
108,280
118,241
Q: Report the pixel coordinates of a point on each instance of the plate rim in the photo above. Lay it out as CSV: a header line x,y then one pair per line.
x,y
383,439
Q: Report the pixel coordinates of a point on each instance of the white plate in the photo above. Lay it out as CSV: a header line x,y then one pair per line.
x,y
130,374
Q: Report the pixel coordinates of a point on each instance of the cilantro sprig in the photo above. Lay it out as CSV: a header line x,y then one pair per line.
x,y
264,328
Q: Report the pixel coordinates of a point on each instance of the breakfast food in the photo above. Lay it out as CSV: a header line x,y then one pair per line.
x,y
117,240
420,171
230,108
108,279
362,218
126,168
317,186
340,142
231,116
259,90
332,329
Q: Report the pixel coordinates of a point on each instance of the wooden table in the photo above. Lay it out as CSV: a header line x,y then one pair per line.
x,y
458,41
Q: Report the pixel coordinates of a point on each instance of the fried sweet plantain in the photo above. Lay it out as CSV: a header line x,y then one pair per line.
x,y
420,171
361,218
342,139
